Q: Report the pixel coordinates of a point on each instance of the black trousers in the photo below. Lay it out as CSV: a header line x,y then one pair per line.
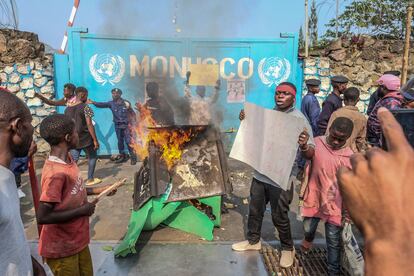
x,y
261,194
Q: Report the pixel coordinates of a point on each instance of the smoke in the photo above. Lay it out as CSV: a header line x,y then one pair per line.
x,y
177,18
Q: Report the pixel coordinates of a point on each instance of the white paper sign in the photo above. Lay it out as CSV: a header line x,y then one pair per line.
x,y
236,91
267,141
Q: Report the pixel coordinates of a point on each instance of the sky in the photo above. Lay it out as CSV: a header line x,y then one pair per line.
x,y
170,18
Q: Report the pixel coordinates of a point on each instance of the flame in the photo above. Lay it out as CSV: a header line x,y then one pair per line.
x,y
170,141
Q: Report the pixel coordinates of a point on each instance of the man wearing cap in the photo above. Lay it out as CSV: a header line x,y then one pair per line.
x,y
389,86
376,96
123,117
332,102
310,106
264,190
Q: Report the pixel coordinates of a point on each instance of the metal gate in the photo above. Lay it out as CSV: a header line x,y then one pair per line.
x,y
101,63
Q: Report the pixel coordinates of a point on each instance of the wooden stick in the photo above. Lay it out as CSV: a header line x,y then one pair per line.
x,y
406,45
111,188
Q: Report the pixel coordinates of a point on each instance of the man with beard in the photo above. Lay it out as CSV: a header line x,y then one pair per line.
x,y
264,190
16,133
378,94
389,86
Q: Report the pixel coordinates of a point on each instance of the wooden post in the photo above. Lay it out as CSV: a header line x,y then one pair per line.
x,y
406,45
35,190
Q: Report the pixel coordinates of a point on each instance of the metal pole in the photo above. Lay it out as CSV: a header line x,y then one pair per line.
x,y
306,29
70,24
16,23
337,17
406,45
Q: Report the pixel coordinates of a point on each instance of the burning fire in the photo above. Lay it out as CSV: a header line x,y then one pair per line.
x,y
170,141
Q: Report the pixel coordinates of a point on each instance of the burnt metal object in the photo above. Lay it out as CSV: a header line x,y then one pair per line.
x,y
201,172
151,179
202,169
312,263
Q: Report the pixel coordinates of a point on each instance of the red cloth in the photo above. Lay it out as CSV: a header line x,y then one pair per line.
x,y
322,198
286,88
62,185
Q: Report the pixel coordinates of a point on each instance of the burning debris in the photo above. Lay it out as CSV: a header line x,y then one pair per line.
x,y
180,183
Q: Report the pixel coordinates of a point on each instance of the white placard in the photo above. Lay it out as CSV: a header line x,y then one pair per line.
x,y
267,141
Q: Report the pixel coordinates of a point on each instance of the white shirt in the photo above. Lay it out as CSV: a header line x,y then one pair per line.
x,y
15,257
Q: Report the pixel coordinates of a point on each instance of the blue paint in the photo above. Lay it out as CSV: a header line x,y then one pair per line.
x,y
61,75
235,55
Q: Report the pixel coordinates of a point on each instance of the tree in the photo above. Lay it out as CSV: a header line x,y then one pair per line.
x,y
382,18
301,39
313,25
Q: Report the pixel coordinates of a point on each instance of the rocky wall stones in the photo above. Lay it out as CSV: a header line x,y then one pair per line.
x,y
25,69
363,60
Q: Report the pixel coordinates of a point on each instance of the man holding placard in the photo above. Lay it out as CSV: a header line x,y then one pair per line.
x,y
268,142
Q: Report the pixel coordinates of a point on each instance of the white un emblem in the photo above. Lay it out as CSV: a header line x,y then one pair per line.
x,y
107,68
274,70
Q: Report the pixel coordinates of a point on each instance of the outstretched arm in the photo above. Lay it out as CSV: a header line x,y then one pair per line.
x,y
100,104
47,214
61,102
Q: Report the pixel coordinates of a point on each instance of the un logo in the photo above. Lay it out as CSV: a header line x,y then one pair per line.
x,y
107,68
274,70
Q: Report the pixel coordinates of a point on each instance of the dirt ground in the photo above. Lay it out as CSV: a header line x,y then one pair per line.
x,y
112,213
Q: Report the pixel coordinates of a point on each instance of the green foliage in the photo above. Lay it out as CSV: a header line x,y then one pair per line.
x,y
382,18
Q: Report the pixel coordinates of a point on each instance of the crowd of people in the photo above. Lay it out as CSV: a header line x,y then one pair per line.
x,y
333,135
342,174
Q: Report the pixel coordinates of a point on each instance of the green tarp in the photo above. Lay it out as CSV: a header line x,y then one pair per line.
x,y
178,215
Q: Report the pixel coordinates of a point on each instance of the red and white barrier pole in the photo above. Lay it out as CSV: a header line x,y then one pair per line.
x,y
70,24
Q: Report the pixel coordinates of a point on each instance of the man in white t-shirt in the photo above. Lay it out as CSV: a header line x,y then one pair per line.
x,y
16,133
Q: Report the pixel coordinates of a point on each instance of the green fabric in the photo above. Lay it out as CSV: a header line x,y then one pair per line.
x,y
188,219
159,213
215,203
178,215
136,223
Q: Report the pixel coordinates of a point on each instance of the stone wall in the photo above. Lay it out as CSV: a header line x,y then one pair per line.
x,y
26,69
361,59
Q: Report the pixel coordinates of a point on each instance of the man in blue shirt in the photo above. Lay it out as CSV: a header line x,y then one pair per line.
x,y
123,115
310,106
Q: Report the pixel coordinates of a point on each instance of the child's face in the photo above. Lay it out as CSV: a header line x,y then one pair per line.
x,y
336,139
73,139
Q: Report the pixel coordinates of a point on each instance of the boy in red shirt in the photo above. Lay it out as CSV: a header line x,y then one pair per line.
x,y
64,209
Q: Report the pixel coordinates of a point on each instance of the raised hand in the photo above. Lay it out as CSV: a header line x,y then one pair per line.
x,y
378,193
